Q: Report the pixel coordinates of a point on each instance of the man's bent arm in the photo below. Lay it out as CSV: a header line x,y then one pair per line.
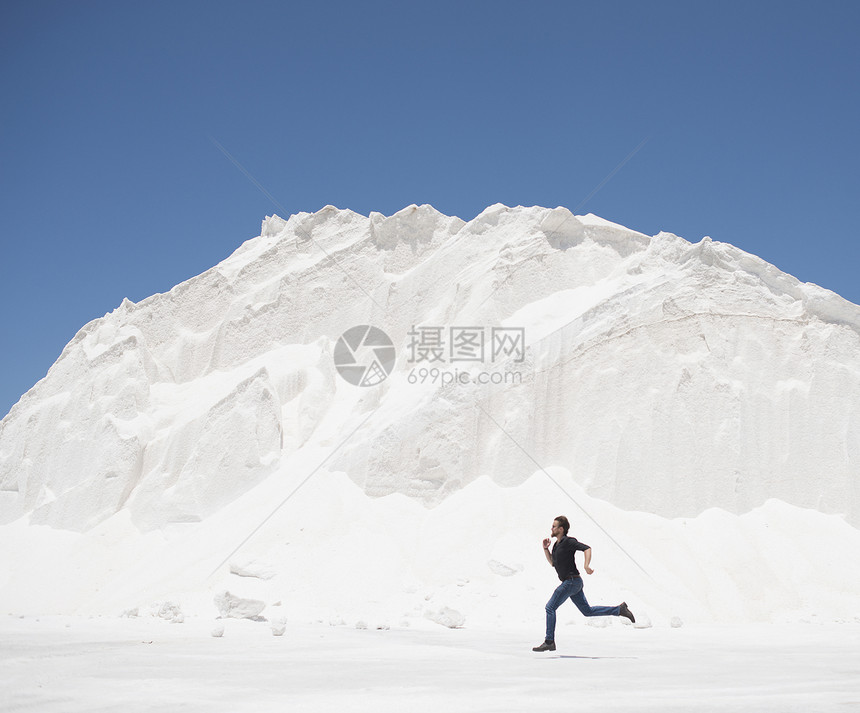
x,y
587,562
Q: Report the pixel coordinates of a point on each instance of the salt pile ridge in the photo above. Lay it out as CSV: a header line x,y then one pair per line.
x,y
660,376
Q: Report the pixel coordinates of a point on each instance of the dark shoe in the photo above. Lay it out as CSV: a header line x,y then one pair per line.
x,y
626,612
545,646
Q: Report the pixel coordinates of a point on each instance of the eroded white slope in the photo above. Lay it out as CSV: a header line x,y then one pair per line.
x,y
667,377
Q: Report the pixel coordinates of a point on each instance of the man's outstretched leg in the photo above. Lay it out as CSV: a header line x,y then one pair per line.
x,y
582,604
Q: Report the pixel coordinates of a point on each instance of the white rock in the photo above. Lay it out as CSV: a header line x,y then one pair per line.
x,y
643,621
445,616
171,612
235,607
279,626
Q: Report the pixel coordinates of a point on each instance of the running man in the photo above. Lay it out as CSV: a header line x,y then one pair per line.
x,y
562,558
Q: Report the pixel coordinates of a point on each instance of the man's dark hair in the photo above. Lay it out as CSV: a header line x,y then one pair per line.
x,y
563,521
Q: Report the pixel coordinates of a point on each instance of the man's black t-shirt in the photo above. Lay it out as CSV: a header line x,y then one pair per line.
x,y
563,552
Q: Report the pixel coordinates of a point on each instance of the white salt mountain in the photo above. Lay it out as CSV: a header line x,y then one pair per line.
x,y
658,376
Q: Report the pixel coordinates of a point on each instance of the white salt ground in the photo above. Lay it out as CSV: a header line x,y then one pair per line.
x,y
69,664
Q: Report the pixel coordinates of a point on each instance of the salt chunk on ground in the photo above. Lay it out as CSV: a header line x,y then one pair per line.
x,y
237,608
279,626
171,612
445,616
643,621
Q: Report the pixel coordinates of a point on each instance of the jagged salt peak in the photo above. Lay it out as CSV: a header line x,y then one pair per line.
x,y
331,231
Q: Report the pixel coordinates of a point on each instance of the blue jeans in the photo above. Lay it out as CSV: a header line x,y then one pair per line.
x,y
573,588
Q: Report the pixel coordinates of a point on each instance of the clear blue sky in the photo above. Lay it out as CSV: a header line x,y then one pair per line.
x,y
112,187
